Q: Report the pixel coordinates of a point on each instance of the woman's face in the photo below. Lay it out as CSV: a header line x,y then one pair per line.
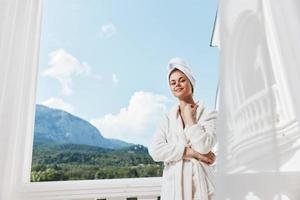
x,y
180,85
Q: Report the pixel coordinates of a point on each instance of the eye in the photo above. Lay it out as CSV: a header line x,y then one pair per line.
x,y
182,80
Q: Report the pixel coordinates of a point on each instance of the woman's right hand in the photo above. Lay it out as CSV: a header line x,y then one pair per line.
x,y
208,158
189,114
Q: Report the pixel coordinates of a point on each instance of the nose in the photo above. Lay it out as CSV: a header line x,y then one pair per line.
x,y
177,84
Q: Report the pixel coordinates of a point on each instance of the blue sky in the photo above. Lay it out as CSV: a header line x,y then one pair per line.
x,y
106,60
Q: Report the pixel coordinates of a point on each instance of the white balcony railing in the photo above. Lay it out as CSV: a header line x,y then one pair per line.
x,y
109,189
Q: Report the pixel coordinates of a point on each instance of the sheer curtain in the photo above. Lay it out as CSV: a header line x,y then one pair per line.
x,y
259,102
19,42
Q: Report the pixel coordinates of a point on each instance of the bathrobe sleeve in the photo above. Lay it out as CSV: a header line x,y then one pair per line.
x,y
202,136
160,149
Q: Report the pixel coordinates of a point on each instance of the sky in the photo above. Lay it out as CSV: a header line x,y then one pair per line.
x,y
106,60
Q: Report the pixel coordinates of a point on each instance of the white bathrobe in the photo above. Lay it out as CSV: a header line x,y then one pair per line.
x,y
185,179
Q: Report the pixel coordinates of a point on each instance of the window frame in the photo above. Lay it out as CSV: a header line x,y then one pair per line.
x,y
23,31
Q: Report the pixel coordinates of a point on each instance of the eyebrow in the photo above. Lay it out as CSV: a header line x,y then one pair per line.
x,y
178,79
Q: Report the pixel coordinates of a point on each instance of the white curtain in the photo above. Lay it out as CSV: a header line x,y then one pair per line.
x,y
19,39
259,102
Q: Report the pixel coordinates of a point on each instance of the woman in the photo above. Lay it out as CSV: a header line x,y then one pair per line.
x,y
184,139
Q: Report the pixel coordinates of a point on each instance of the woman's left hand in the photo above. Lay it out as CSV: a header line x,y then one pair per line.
x,y
208,158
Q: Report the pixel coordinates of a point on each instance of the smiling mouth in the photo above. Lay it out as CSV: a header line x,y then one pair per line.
x,y
178,90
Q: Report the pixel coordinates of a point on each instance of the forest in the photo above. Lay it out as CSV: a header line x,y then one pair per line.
x,y
59,162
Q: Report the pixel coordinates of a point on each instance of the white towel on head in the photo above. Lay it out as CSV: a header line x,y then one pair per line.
x,y
180,64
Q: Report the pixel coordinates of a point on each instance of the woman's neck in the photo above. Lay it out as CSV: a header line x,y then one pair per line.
x,y
184,102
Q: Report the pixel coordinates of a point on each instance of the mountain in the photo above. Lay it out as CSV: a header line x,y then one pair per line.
x,y
60,127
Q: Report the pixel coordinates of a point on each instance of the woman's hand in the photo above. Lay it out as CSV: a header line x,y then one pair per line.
x,y
189,114
208,158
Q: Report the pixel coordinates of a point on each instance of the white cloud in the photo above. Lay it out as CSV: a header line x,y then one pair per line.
x,y
135,123
108,30
63,67
115,79
58,104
